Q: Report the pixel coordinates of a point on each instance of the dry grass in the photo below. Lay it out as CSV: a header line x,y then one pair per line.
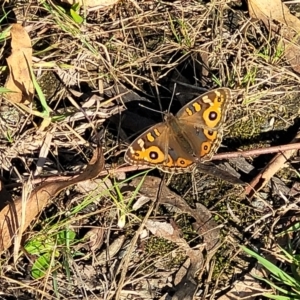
x,y
93,76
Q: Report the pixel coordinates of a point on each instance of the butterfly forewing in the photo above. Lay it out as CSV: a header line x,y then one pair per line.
x,y
206,111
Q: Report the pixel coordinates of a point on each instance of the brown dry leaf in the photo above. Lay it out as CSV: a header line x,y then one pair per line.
x,y
11,216
110,251
275,10
94,187
19,79
166,231
278,18
94,238
96,4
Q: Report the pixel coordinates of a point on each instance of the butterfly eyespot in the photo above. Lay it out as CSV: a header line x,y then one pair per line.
x,y
213,116
183,163
210,133
205,147
153,155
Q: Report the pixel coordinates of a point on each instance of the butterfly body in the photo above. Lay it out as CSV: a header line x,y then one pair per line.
x,y
180,142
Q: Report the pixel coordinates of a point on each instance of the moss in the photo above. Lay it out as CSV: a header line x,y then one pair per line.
x,y
247,128
161,248
49,84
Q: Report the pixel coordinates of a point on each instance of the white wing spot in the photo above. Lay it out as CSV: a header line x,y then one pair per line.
x,y
207,100
141,144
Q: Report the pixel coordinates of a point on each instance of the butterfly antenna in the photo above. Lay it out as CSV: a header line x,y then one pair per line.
x,y
160,112
152,109
172,98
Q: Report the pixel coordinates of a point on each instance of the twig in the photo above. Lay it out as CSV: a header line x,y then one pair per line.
x,y
225,155
272,168
248,153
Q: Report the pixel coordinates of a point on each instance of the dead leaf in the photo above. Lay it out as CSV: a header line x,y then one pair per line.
x,y
278,18
11,216
19,80
94,238
166,231
96,4
94,187
110,252
275,10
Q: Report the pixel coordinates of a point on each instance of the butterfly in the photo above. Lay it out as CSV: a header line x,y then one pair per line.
x,y
183,140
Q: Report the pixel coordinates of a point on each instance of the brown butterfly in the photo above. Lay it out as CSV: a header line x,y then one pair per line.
x,y
192,136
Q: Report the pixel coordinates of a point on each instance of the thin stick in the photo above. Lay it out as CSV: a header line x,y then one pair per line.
x,y
274,149
270,170
225,155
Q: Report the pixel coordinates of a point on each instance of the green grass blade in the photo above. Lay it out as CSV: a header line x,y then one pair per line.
x,y
278,297
46,108
281,275
272,284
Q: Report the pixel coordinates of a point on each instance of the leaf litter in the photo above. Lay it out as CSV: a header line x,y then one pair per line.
x,y
15,211
139,47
